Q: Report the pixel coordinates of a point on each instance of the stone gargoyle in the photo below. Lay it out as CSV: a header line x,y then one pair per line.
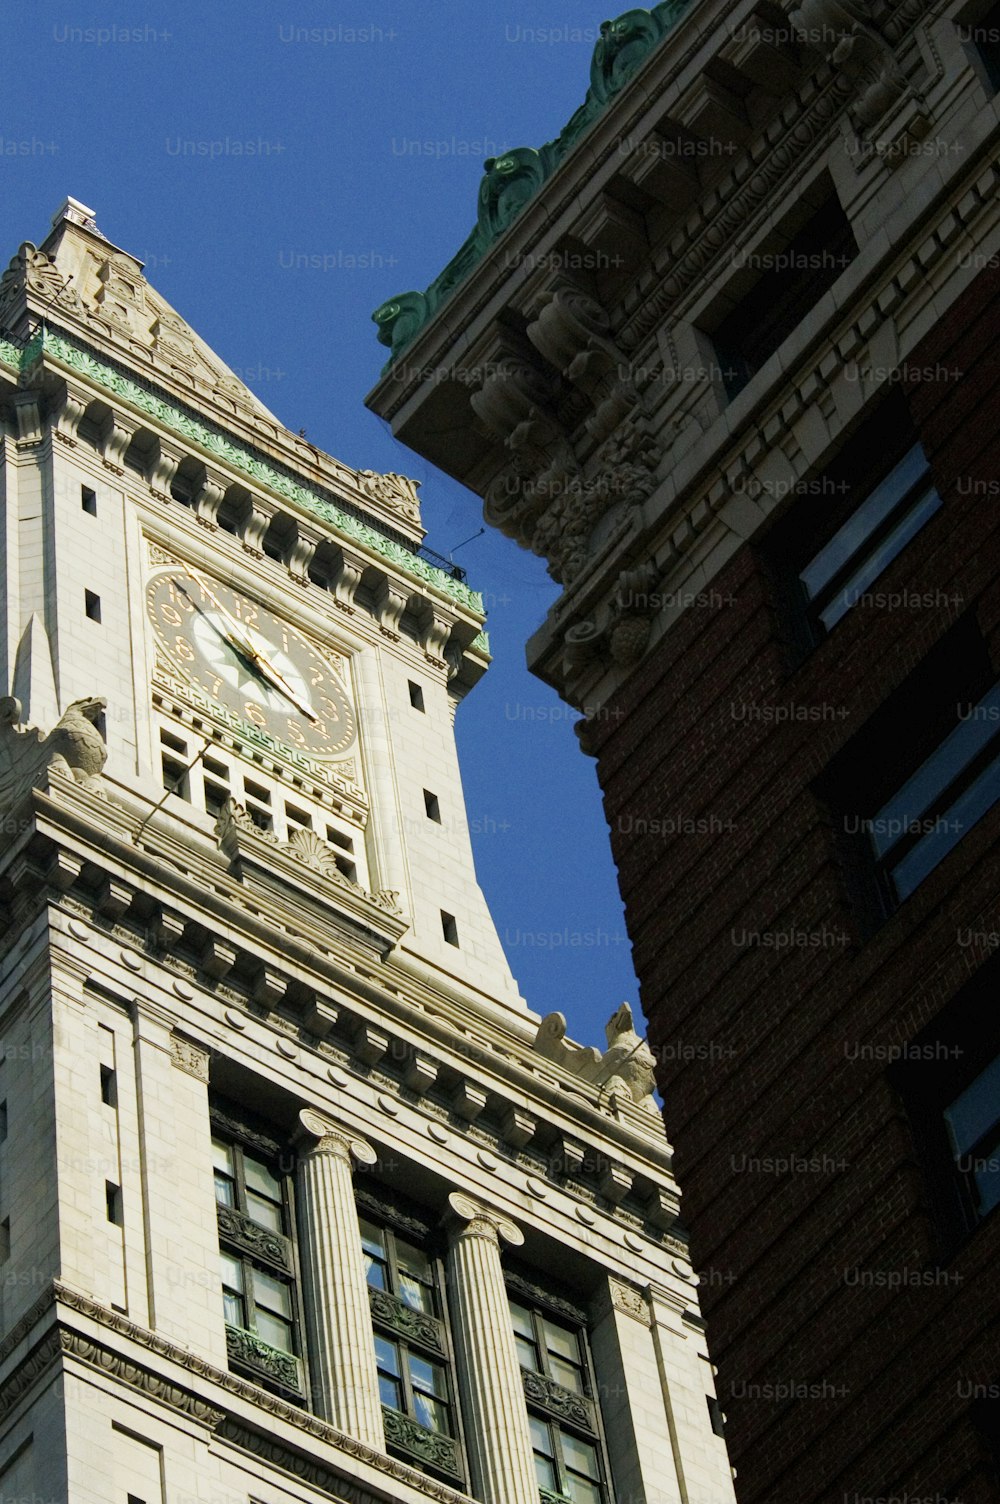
x,y
625,1067
74,747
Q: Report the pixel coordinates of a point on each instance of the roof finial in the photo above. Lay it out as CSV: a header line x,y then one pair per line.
x,y
76,212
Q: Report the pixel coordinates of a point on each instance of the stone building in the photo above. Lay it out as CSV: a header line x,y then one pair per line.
x,y
298,1200
724,353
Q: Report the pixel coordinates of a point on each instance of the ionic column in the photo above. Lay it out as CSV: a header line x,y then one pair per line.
x,y
489,1375
338,1317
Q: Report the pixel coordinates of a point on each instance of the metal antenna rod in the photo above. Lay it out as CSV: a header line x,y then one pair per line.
x,y
196,759
468,540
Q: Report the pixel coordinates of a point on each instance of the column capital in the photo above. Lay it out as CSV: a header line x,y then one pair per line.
x,y
473,1219
315,1135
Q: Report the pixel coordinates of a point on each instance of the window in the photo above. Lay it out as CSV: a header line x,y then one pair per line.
x,y
258,804
949,793
259,1295
173,760
849,523
109,1092
949,1080
113,1202
838,576
92,605
3,1121
217,787
449,928
558,1387
796,270
88,500
4,1240
432,807
416,695
344,854
412,1343
984,35
921,772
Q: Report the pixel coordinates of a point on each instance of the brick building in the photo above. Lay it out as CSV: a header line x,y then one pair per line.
x,y
727,361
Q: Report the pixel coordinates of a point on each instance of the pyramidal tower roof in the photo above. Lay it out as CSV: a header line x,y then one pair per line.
x,y
96,298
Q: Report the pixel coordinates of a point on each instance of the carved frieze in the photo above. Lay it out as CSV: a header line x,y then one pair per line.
x,y
189,1057
631,1301
259,1242
426,1447
247,1349
562,1403
413,1326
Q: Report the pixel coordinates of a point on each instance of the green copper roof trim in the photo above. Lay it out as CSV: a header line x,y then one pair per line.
x,y
512,180
48,341
10,355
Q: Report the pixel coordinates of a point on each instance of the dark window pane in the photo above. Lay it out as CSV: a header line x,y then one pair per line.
x,y
976,1110
930,780
864,520
225,1190
970,807
387,1355
275,1331
267,1213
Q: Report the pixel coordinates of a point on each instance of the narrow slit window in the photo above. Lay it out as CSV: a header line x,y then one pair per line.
x,y
416,695
109,1087
92,605
449,928
88,501
113,1202
3,1121
432,806
4,1240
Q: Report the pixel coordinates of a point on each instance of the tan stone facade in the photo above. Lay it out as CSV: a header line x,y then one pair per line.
x,y
252,1005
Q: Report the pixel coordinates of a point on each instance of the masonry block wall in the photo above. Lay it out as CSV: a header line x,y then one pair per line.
x,y
849,1343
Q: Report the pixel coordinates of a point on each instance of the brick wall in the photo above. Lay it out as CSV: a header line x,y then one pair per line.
x,y
759,1045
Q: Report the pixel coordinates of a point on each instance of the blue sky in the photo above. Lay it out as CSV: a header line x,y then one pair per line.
x,y
284,166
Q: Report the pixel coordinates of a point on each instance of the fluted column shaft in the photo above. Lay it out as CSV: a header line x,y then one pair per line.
x,y
341,1348
489,1375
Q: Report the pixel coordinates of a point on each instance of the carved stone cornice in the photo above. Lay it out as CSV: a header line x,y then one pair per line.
x,y
259,856
227,1119
227,1427
528,1290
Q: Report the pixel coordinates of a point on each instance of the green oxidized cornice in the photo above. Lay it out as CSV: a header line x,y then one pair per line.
x,y
46,341
511,180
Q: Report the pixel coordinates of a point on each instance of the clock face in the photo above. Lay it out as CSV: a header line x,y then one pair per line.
x,y
251,662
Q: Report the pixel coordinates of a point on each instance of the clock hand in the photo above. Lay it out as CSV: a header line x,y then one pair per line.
x,y
243,640
268,671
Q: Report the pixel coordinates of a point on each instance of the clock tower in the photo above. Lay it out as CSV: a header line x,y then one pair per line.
x,y
298,1200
